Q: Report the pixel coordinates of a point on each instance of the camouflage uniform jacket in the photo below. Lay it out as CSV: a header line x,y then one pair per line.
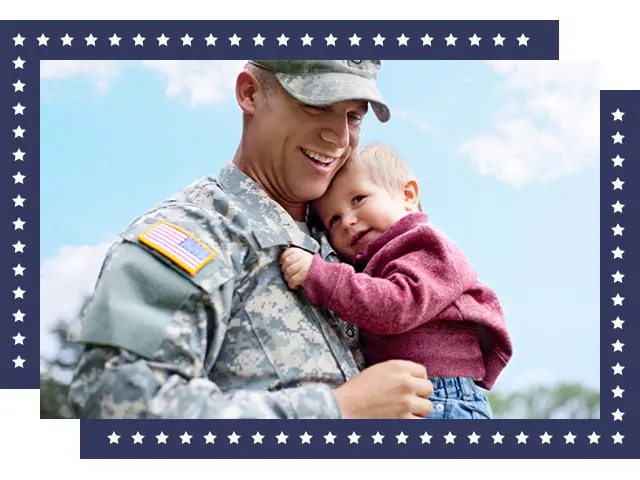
x,y
231,340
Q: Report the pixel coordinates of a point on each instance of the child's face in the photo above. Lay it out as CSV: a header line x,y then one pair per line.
x,y
356,211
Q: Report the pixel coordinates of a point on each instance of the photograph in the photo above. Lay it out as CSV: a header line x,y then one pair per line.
x,y
319,239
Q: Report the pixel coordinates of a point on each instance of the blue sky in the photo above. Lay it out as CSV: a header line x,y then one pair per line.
x,y
506,155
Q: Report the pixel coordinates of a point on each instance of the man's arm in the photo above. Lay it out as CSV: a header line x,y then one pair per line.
x,y
413,282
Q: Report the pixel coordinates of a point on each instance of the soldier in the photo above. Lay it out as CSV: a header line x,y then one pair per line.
x,y
191,316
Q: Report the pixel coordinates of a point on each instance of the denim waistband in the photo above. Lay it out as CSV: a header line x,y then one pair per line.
x,y
454,387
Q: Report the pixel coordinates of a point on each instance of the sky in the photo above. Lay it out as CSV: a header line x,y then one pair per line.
x,y
505,153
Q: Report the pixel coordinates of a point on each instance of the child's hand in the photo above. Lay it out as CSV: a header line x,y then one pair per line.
x,y
295,265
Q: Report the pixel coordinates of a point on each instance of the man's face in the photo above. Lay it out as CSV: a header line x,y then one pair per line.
x,y
302,147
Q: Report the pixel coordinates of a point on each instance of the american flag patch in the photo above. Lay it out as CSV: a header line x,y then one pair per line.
x,y
178,245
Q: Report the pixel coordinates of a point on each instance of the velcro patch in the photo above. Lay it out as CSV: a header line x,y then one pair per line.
x,y
175,243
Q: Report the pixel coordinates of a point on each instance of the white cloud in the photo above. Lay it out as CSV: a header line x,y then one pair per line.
x,y
206,82
101,72
418,122
548,129
65,281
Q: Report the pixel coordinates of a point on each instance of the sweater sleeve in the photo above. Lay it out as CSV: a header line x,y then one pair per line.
x,y
412,279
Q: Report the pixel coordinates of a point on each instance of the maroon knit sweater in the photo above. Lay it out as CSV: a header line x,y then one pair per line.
x,y
415,296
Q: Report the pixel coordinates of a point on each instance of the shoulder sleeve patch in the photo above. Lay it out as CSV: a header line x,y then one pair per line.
x,y
179,245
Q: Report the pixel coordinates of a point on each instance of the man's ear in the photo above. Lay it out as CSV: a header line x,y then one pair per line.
x,y
411,194
246,88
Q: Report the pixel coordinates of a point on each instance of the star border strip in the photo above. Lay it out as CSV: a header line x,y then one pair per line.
x,y
604,438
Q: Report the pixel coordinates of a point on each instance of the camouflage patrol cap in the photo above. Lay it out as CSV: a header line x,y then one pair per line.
x,y
323,82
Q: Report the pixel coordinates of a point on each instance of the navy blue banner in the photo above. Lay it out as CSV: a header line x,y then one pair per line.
x,y
24,44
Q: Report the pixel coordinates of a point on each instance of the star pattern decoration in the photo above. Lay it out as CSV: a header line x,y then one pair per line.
x,y
450,438
570,438
617,161
331,40
353,438
306,438
425,438
233,438
497,438
522,438
401,438
617,415
377,438
282,438
473,438
617,392
210,438
162,438
257,438
329,438
545,438
113,438
185,437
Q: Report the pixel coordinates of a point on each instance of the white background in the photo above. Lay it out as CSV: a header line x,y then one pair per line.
x,y
603,31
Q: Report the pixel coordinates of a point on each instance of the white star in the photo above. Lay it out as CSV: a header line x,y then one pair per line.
x,y
593,438
617,347
426,40
18,155
497,438
258,40
617,323
617,230
617,253
257,438
18,40
331,40
235,40
450,438
18,86
210,438
353,438
18,63
137,438
355,40
18,362
19,178
617,115
115,40
282,438
282,40
617,207
498,40
306,40
185,437
617,438
475,40
19,270
19,132
138,41
522,438
402,40
617,392
377,438
42,40
163,40
162,438
473,438
91,40
569,438
18,201
402,438
617,161
211,40
451,40
617,184
18,339
617,415
546,438
18,109
617,369
617,300
522,40
306,438
19,224
329,438
66,40
18,316
378,40
233,438
18,247
617,138
425,437
186,40
18,293
113,438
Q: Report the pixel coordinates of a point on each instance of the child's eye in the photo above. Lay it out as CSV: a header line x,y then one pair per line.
x,y
333,220
358,199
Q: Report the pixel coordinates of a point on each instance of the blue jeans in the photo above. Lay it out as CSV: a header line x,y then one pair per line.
x,y
458,398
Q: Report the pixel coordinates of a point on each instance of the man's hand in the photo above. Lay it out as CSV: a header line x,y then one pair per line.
x,y
295,264
392,389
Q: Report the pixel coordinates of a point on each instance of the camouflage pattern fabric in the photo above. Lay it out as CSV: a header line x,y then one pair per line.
x,y
231,340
